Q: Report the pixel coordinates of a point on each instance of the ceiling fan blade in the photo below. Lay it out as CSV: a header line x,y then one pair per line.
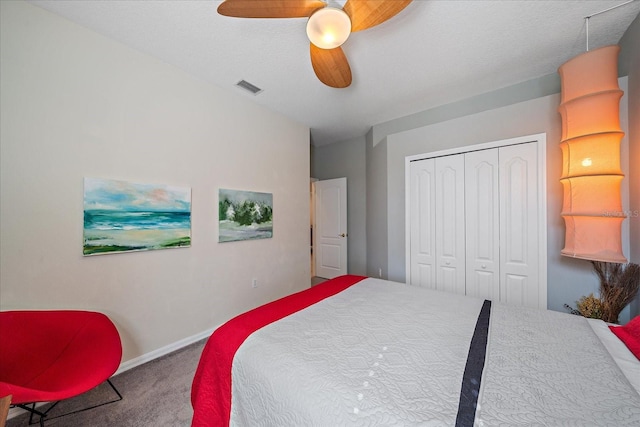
x,y
269,8
368,13
331,66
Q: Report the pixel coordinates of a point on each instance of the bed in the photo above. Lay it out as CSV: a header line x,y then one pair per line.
x,y
356,351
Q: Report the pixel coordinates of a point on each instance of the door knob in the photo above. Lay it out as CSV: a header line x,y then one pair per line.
x,y
342,235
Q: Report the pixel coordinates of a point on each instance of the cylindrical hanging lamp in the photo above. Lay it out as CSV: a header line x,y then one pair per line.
x,y
591,174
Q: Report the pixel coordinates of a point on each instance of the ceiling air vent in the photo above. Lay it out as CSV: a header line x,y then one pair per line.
x,y
249,87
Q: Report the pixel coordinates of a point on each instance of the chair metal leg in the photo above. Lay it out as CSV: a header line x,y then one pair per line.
x,y
33,411
114,389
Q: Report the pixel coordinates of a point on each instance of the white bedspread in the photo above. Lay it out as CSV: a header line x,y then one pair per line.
x,y
383,353
549,368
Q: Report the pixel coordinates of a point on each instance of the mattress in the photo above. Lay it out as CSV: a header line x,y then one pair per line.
x,y
386,353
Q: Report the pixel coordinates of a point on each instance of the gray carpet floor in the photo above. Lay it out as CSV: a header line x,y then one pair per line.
x,y
157,393
154,394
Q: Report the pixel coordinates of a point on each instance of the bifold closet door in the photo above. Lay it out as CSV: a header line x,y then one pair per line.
x,y
450,226
474,224
437,223
482,205
423,223
519,263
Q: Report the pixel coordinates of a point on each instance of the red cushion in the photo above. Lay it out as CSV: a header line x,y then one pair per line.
x,y
630,335
55,355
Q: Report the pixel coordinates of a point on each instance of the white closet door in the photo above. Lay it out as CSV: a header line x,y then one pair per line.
x,y
450,230
423,225
482,204
519,225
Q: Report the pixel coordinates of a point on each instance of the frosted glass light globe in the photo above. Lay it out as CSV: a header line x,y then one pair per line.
x,y
328,28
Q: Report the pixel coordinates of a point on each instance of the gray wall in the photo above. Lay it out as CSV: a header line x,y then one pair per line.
x,y
630,60
568,279
545,85
348,159
377,219
522,109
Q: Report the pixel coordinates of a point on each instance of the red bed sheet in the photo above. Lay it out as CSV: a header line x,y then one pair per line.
x,y
211,388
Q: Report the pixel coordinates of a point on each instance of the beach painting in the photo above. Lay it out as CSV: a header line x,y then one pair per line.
x,y
244,215
121,216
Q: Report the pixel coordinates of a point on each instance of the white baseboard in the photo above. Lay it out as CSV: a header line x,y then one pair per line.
x,y
140,360
152,355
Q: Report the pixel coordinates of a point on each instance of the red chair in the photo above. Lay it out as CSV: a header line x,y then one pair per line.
x,y
48,356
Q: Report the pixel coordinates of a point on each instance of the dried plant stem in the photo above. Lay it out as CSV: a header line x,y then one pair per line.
x,y
619,285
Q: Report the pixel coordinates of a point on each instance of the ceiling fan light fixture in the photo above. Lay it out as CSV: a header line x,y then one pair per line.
x,y
328,28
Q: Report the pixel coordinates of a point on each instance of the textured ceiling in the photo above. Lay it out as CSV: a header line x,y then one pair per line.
x,y
433,53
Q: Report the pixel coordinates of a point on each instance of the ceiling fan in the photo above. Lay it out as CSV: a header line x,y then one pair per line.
x,y
328,27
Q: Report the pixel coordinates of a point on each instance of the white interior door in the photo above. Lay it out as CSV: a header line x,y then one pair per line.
x,y
450,214
476,220
331,228
423,223
519,225
482,204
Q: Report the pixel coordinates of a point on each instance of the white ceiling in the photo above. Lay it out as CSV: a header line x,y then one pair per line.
x,y
432,53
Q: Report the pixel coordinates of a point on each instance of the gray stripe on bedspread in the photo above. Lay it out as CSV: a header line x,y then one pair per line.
x,y
473,370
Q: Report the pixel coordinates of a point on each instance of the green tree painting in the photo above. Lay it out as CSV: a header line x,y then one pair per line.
x,y
244,215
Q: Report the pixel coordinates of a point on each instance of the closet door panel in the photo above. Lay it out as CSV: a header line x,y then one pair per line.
x,y
519,225
450,230
423,226
482,205
515,289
